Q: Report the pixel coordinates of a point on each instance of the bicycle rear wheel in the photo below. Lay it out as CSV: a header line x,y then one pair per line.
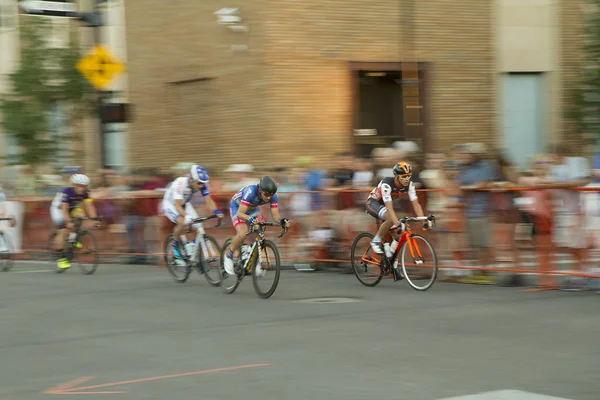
x,y
229,283
85,252
265,274
178,268
51,251
419,262
209,263
6,252
366,264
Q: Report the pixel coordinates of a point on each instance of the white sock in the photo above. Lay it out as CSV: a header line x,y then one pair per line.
x,y
377,238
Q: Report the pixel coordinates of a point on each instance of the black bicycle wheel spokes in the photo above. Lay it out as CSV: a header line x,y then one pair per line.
x,y
210,261
266,270
178,268
365,262
85,252
6,252
419,262
229,283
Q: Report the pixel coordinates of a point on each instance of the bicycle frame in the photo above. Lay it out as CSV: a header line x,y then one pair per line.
x,y
405,236
77,223
258,241
200,243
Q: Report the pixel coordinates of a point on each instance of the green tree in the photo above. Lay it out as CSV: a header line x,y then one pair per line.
x,y
584,110
46,79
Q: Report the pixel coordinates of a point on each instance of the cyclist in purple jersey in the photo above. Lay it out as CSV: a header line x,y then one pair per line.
x,y
244,211
71,202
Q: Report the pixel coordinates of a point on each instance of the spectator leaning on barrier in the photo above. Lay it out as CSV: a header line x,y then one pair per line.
x,y
570,172
504,211
591,211
475,174
537,207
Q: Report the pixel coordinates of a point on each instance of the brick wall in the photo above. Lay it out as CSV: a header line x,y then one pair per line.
x,y
291,93
214,121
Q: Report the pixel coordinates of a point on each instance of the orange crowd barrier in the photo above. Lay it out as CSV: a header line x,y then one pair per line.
x,y
326,222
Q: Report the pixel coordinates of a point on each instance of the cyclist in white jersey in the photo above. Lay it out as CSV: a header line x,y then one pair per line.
x,y
176,203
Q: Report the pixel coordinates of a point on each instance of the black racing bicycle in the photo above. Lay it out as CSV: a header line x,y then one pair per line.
x,y
80,246
261,260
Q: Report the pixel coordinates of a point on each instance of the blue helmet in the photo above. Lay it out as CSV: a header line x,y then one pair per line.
x,y
199,174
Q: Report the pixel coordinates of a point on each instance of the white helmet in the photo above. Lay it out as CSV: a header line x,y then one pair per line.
x,y
80,179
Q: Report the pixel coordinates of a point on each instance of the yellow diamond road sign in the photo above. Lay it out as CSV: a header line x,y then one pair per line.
x,y
99,67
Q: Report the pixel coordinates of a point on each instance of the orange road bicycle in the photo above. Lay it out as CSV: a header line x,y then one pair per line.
x,y
415,254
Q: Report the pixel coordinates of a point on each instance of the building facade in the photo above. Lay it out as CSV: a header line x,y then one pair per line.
x,y
308,73
283,78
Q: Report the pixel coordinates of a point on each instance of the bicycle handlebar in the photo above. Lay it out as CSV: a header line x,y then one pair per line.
x,y
263,224
404,220
86,218
202,219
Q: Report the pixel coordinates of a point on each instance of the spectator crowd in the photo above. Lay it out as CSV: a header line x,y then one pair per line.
x,y
490,213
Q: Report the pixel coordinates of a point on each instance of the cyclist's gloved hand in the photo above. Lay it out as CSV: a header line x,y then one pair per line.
x,y
284,222
251,220
218,213
188,219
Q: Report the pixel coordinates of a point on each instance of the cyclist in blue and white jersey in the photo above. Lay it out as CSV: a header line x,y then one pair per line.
x,y
177,207
244,211
71,202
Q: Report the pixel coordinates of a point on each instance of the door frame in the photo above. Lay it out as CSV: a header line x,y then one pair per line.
x,y
355,67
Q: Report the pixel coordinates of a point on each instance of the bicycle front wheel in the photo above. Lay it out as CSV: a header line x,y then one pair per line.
x,y
178,268
265,274
366,264
419,262
6,252
85,252
210,261
229,283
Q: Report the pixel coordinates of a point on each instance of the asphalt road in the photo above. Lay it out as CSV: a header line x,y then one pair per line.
x,y
133,332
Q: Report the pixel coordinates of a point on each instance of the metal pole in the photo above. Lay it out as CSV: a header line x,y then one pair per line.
x,y
101,95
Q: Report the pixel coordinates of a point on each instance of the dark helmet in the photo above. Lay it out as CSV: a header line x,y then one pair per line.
x,y
402,168
267,185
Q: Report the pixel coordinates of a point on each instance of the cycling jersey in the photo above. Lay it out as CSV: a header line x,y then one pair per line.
x,y
180,189
388,188
69,196
250,197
